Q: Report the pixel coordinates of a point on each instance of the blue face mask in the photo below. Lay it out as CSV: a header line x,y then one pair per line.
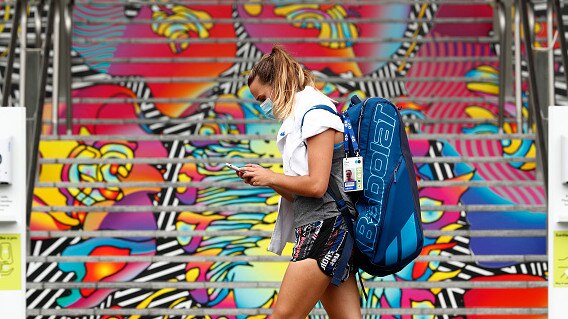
x,y
266,107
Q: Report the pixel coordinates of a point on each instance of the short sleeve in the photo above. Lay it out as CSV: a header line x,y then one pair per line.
x,y
317,121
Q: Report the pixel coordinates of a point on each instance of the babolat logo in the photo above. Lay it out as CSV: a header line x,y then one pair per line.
x,y
382,134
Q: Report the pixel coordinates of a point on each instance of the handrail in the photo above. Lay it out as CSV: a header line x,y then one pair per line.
x,y
62,65
503,42
23,46
56,68
37,23
32,174
550,40
518,72
563,45
7,89
67,14
528,27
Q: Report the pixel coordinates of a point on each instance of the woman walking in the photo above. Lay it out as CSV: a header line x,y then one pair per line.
x,y
312,155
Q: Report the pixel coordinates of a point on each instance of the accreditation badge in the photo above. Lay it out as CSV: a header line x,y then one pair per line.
x,y
353,174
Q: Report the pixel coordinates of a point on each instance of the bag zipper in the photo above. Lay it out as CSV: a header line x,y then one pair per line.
x,y
387,190
395,171
360,118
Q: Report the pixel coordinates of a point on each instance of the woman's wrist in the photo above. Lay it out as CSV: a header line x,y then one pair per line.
x,y
273,179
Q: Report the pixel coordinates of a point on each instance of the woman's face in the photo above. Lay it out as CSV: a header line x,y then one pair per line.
x,y
260,91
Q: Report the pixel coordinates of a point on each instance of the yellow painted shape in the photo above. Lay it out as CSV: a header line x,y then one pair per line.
x,y
478,112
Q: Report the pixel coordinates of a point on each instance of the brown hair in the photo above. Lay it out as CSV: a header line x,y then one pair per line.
x,y
285,75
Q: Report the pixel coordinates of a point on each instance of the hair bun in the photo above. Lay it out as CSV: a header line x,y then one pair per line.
x,y
277,49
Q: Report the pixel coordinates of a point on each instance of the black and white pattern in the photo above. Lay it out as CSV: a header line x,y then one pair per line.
x,y
415,30
47,272
440,171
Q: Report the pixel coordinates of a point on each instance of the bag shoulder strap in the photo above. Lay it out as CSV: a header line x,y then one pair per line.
x,y
319,107
333,190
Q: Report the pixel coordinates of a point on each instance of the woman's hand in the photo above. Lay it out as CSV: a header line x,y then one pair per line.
x,y
240,174
256,175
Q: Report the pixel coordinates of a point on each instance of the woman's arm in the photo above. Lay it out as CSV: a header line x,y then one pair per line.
x,y
287,195
320,154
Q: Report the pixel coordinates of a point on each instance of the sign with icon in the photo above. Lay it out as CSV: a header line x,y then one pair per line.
x,y
10,262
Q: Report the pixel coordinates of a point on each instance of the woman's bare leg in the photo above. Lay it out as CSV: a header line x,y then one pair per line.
x,y
343,301
302,286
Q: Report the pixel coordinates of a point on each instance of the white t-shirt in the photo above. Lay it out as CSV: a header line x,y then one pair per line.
x,y
292,135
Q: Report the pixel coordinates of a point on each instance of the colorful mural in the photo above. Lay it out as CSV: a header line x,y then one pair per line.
x,y
202,82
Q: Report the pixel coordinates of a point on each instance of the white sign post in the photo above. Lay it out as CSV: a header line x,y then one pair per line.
x,y
557,211
13,212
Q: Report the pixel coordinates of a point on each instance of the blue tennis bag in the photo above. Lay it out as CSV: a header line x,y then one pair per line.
x,y
388,229
387,232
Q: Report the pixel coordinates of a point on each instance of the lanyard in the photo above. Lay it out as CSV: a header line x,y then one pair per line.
x,y
349,135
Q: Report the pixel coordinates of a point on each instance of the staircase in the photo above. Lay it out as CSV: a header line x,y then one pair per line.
x,y
135,216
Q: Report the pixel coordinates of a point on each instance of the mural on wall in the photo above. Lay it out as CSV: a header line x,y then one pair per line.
x,y
117,89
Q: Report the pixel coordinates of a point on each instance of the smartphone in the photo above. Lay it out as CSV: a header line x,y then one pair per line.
x,y
231,166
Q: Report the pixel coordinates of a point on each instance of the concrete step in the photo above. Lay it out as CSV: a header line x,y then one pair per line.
x,y
249,137
270,258
273,21
276,285
237,160
243,80
238,184
265,234
323,59
262,208
264,121
395,100
160,312
268,40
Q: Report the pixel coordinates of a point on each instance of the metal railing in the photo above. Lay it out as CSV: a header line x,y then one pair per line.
x,y
556,6
523,18
19,15
502,14
39,105
536,117
62,64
